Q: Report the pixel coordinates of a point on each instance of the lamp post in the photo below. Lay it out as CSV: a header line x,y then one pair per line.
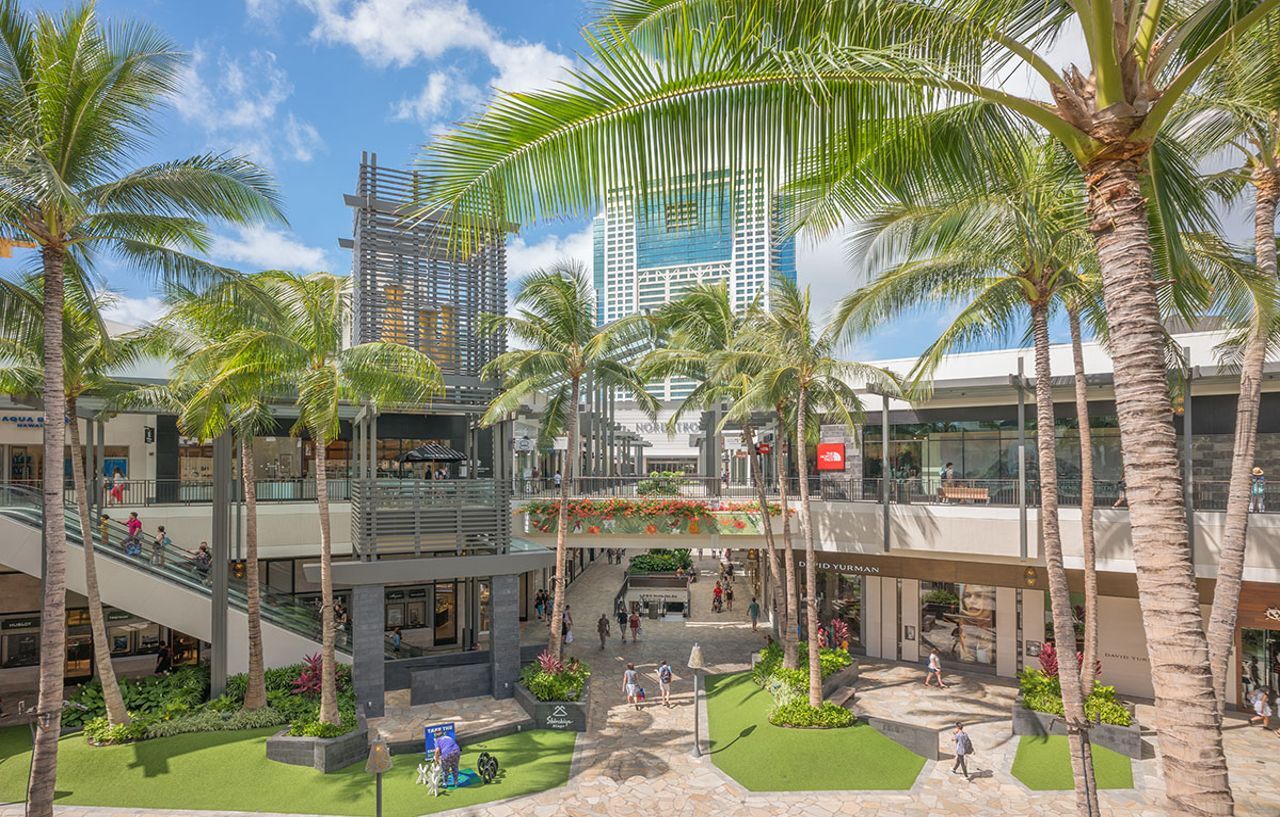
x,y
379,763
696,664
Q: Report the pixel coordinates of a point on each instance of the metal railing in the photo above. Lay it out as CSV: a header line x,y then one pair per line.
x,y
430,517
143,493
1206,495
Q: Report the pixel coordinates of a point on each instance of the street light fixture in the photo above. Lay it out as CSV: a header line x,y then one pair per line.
x,y
696,664
379,763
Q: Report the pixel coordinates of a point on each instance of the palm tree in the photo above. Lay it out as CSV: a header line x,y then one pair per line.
x,y
194,334
554,322
799,359
302,347
684,87
1238,109
77,98
999,251
90,355
695,333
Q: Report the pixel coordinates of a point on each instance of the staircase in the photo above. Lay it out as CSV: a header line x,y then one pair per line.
x,y
174,591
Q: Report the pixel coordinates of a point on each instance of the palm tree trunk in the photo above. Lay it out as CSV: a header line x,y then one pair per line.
x,y
53,612
1064,630
555,643
1088,542
790,654
111,697
1187,717
1226,593
328,649
810,557
766,521
255,695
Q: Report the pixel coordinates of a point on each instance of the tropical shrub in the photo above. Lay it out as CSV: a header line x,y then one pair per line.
x,y
661,561
661,483
548,679
212,720
160,696
100,732
1042,692
798,713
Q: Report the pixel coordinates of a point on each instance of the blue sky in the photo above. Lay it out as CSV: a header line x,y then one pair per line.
x,y
303,86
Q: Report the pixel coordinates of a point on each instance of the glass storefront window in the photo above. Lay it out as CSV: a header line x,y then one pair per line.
x,y
485,615
446,614
120,639
840,597
959,621
21,650
1259,661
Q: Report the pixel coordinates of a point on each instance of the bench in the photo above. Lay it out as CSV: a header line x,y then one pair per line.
x,y
964,494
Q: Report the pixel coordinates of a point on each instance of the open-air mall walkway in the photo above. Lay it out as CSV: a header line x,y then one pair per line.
x,y
639,763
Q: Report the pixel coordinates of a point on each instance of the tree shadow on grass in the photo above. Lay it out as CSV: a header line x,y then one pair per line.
x,y
745,733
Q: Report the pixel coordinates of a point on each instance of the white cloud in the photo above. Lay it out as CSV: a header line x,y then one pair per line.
x,y
237,101
262,248
523,258
404,32
442,92
133,311
265,11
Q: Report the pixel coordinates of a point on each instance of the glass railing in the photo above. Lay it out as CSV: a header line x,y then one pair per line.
x,y
184,568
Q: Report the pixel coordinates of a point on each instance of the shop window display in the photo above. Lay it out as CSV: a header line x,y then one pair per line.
x,y
959,620
840,596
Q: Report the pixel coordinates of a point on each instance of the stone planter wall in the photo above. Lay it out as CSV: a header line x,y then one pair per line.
x,y
919,739
561,716
1125,740
322,754
843,678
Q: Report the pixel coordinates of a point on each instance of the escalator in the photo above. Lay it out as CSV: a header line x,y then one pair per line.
x,y
172,589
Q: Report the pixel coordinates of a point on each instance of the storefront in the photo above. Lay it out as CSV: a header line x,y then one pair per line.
x,y
1258,639
901,608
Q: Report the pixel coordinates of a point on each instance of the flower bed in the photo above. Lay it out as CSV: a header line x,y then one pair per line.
x,y
661,561
648,516
554,693
790,687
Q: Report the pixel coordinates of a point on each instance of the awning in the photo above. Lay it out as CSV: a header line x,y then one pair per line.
x,y
432,453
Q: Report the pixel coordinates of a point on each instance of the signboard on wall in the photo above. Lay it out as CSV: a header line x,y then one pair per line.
x,y
830,456
435,731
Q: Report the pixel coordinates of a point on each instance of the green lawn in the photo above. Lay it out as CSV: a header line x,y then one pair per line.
x,y
1042,764
764,757
229,771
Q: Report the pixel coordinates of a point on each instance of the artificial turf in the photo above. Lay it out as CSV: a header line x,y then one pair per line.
x,y
764,757
1043,764
229,771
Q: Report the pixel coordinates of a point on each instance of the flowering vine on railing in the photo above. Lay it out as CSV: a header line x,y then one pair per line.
x,y
649,516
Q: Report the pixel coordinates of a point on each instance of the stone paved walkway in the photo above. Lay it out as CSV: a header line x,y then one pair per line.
x,y
471,716
638,763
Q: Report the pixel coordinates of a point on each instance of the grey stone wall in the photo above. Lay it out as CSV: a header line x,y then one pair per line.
x,y
368,647
504,635
1126,740
919,739
446,683
322,754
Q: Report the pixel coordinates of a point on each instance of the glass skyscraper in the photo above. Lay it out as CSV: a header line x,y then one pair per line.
x,y
718,229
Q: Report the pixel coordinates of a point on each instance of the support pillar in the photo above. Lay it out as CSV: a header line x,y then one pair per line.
x,y
368,648
885,472
504,634
1022,463
1188,460
220,542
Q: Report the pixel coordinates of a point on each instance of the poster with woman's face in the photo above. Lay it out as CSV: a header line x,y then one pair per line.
x,y
976,637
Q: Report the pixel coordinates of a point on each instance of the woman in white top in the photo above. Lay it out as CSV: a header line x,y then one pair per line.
x,y
1261,707
935,669
631,685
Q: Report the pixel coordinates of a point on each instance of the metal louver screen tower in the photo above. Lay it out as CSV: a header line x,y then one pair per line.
x,y
411,285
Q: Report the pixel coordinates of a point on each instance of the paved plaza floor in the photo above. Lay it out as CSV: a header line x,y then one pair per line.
x,y
639,763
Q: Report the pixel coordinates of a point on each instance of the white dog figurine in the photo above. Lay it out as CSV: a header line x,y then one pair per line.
x,y
429,775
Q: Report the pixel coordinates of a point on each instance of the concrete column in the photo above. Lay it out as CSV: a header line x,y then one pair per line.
x,y
1022,464
220,542
368,647
1006,631
1032,624
911,618
889,633
504,634
871,611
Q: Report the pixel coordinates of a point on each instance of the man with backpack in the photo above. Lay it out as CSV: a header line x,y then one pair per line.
x,y
964,748
664,682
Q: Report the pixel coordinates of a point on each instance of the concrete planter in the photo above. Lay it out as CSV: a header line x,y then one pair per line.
x,y
561,716
322,754
1125,740
843,678
919,739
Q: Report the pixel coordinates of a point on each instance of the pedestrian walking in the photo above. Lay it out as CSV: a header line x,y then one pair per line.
x,y
1260,698
753,610
664,682
540,603
964,748
396,640
634,624
164,659
1258,491
728,597
566,625
631,685
717,597
133,541
602,628
557,479
202,560
620,615
935,669
159,545
1122,497
728,572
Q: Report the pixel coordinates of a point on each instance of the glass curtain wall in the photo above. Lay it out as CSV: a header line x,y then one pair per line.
x,y
959,621
840,597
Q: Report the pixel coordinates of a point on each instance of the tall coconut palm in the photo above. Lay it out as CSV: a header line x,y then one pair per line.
x,y
554,323
696,331
194,334
303,348
799,359
90,356
1237,110
687,87
77,98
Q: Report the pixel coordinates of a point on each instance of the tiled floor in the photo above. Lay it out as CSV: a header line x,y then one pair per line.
x,y
638,763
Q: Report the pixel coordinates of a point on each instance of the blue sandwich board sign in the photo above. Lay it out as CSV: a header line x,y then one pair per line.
x,y
435,731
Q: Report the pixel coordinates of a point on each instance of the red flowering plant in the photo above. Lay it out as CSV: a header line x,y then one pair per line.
x,y
590,513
